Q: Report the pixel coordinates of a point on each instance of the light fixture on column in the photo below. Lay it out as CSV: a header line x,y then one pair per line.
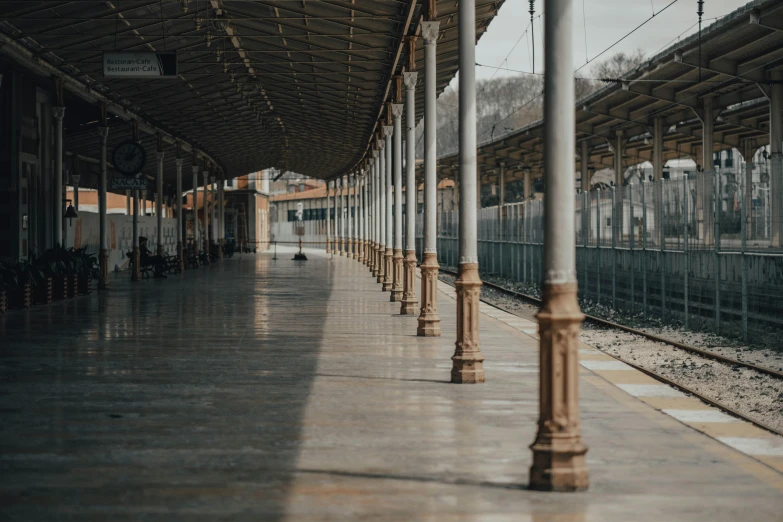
x,y
70,212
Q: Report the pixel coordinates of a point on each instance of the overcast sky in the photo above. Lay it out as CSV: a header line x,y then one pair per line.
x,y
606,20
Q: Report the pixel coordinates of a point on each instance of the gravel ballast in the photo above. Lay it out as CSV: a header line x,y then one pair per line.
x,y
754,394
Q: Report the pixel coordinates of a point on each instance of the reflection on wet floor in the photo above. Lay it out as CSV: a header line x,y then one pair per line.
x,y
268,390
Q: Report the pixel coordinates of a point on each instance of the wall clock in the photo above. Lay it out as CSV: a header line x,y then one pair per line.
x,y
129,157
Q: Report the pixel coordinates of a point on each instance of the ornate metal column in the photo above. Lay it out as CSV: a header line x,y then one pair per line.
x,y
558,451
397,269
195,169
59,114
159,199
328,218
221,220
338,216
468,362
180,245
349,218
375,218
382,212
429,320
409,303
344,241
360,208
207,217
103,253
388,257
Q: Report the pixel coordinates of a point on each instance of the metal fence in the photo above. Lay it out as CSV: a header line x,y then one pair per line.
x,y
662,249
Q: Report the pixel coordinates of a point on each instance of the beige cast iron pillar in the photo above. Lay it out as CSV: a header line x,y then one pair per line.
x,y
409,302
468,362
221,213
369,259
388,257
180,245
359,256
776,157
356,215
59,114
558,451
159,203
103,253
397,268
328,218
382,212
429,320
195,169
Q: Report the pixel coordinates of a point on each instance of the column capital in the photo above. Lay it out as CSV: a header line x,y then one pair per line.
x,y
179,162
409,79
160,154
430,31
381,145
58,113
103,132
212,179
375,153
397,109
388,130
195,169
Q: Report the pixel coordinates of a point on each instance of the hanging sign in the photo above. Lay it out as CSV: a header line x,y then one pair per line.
x,y
123,183
139,65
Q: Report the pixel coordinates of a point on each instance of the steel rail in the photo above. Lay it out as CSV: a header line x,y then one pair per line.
x,y
650,373
651,337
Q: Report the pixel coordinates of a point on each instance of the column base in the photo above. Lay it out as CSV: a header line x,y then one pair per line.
x,y
397,272
409,303
429,320
220,249
328,245
379,266
387,270
349,248
136,260
340,248
558,451
360,251
103,263
467,361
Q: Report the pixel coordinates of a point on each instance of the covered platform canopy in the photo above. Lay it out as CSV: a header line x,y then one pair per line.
x,y
293,85
732,65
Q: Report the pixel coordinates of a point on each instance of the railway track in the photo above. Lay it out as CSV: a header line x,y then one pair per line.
x,y
656,338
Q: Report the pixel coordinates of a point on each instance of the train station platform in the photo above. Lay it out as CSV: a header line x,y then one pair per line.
x,y
261,389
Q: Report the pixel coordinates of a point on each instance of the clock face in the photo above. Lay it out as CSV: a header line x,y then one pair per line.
x,y
129,157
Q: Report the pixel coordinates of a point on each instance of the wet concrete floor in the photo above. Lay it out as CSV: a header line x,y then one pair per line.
x,y
275,390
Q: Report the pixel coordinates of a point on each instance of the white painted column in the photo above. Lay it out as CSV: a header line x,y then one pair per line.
x,y
467,361
558,450
180,246
159,203
388,132
103,253
429,319
410,162
705,184
349,197
328,218
59,114
382,194
195,169
397,109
